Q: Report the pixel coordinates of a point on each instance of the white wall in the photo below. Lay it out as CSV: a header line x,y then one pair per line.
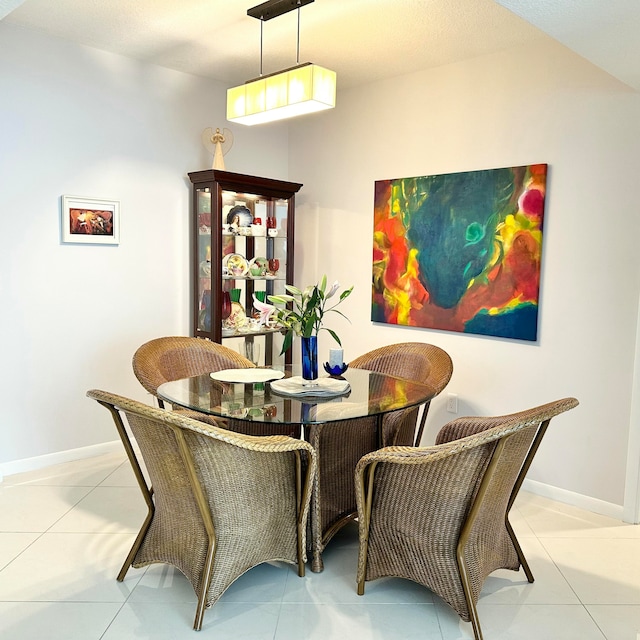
x,y
83,122
518,107
74,120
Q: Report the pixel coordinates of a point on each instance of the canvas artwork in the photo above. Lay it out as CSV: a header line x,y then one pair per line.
x,y
461,251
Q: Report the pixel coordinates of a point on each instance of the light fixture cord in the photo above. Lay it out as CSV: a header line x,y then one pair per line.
x,y
298,43
261,26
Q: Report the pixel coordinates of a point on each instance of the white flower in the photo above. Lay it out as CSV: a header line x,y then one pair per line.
x,y
334,287
265,309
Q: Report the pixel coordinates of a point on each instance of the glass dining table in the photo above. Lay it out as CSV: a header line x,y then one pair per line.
x,y
341,428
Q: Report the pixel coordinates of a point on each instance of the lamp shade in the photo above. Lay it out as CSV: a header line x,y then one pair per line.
x,y
293,92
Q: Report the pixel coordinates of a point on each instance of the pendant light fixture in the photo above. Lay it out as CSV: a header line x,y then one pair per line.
x,y
301,89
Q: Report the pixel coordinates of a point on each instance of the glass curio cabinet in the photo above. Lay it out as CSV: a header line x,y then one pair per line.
x,y
242,244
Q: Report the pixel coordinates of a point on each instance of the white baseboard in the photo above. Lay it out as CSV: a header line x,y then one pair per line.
x,y
574,499
49,459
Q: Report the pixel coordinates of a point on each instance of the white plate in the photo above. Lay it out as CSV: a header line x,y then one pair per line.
x,y
324,387
236,261
247,376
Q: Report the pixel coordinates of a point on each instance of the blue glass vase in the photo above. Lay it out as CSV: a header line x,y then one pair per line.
x,y
310,358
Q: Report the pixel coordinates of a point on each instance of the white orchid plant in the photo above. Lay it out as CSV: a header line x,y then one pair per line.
x,y
304,310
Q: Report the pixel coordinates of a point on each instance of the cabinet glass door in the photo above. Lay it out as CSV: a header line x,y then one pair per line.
x,y
203,250
254,263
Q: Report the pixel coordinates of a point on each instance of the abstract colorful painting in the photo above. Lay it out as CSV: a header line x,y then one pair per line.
x,y
460,251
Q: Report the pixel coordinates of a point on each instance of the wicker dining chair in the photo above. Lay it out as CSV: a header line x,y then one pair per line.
x,y
417,361
219,502
175,357
440,515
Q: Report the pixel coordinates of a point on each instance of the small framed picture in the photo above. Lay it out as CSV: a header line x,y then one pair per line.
x,y
90,220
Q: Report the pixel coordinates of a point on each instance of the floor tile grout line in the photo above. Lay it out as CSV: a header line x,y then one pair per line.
x,y
68,511
564,577
560,571
123,463
595,622
120,608
275,631
40,534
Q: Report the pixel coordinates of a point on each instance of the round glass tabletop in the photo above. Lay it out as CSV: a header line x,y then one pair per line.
x,y
367,394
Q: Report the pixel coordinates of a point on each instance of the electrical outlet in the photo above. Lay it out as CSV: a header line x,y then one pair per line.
x,y
452,403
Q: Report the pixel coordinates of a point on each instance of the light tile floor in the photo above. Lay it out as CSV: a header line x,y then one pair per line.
x,y
65,530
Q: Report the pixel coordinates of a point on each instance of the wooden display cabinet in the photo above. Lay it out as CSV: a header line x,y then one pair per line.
x,y
223,243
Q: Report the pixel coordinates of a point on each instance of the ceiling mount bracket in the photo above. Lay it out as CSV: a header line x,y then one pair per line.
x,y
275,8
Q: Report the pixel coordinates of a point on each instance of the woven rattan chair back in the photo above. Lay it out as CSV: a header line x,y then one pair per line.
x,y
418,361
175,357
439,515
219,503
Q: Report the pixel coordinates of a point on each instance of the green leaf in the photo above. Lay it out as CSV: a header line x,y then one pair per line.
x,y
287,342
335,336
307,326
313,300
342,314
345,293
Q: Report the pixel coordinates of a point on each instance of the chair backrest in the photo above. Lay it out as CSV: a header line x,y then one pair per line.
x,y
412,360
174,357
417,361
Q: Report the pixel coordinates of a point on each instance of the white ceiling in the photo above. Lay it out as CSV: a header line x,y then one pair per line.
x,y
362,40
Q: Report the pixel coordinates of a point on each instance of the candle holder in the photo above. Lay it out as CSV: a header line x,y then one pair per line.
x,y
337,370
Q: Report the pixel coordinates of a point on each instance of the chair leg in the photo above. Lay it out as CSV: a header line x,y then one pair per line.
x,y
136,545
423,419
207,521
516,488
204,584
147,492
365,524
466,532
466,587
516,546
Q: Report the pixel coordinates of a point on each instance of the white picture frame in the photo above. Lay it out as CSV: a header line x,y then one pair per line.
x,y
89,220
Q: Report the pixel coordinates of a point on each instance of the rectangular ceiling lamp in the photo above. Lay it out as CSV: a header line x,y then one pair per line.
x,y
293,92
